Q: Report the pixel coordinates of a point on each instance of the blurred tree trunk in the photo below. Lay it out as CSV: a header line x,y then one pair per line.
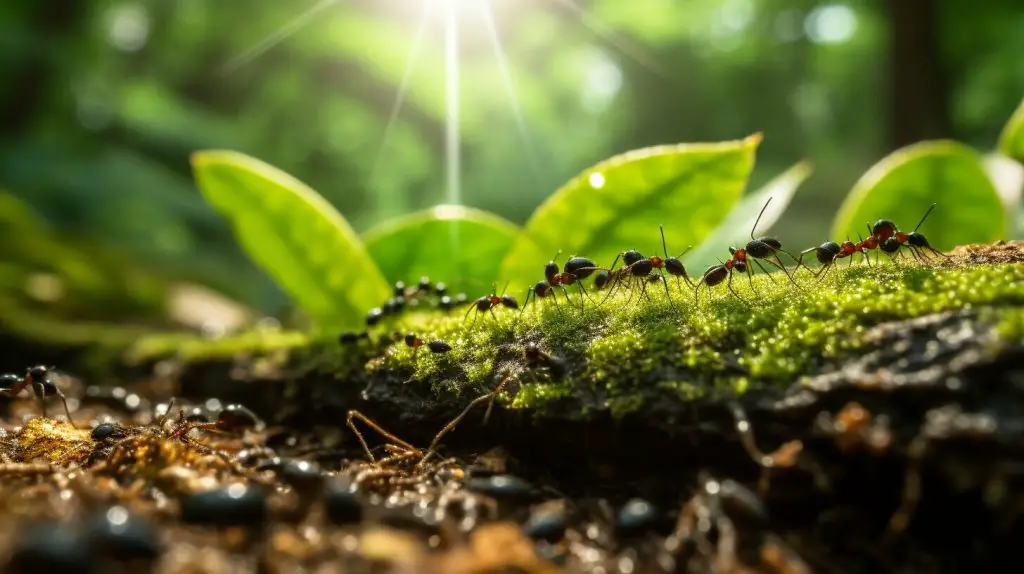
x,y
918,99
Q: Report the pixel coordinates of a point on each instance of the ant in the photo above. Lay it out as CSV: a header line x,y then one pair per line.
x,y
489,302
38,378
890,238
718,273
642,267
542,290
575,270
233,419
412,340
764,248
829,252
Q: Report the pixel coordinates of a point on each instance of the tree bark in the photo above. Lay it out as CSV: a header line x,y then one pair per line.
x,y
918,99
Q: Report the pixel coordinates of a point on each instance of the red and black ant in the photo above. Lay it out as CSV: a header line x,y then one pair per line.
x,y
829,252
536,358
718,273
38,379
575,270
890,238
643,268
489,302
413,341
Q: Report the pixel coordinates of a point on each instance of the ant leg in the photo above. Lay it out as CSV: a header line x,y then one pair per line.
x,y
529,291
750,278
67,411
432,449
584,292
729,285
493,314
497,391
763,270
825,269
40,391
352,415
778,263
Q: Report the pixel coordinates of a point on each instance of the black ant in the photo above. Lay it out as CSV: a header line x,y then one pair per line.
x,y
413,341
718,273
891,238
541,290
38,378
489,302
643,268
767,249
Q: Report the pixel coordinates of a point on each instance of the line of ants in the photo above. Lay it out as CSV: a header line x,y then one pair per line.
x,y
637,270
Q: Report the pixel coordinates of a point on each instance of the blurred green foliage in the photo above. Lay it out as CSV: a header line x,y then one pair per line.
x,y
1011,142
104,101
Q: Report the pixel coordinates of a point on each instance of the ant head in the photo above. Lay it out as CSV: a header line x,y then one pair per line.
x,y
891,245
399,289
551,271
632,256
883,229
9,381
601,279
740,265
410,339
38,373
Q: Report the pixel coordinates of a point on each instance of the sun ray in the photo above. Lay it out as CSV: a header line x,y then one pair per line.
x,y
403,87
278,36
616,41
487,13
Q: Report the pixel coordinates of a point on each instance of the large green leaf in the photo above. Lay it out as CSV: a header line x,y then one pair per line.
x,y
619,203
294,235
735,230
905,183
459,246
1011,142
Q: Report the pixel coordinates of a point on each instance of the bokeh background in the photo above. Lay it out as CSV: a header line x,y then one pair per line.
x,y
103,101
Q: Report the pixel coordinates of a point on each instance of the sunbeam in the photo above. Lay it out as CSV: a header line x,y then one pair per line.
x,y
278,36
403,86
451,137
487,14
617,42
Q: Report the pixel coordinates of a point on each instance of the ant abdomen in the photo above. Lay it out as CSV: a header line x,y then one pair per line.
x,y
601,279
579,267
883,229
551,271
826,252
641,268
918,240
716,275
675,267
509,301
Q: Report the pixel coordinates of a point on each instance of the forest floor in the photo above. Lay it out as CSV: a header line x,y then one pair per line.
x,y
866,423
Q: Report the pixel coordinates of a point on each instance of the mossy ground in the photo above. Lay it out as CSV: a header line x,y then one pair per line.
x,y
621,350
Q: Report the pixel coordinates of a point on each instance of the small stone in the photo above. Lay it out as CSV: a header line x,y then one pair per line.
x,y
235,505
635,517
49,548
342,504
547,525
501,486
117,534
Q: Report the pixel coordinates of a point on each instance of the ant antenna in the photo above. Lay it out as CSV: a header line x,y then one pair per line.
x,y
505,288
925,217
754,228
664,246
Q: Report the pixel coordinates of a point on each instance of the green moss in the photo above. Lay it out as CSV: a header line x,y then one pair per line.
x,y
629,349
189,347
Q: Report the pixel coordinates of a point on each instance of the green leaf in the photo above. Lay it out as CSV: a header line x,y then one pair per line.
x,y
905,183
460,246
294,235
1011,142
619,203
735,230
